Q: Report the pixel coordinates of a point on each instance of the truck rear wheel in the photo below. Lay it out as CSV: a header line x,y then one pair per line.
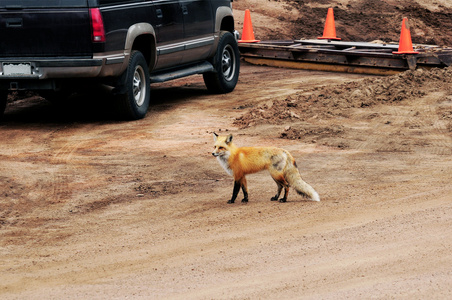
x,y
227,65
133,101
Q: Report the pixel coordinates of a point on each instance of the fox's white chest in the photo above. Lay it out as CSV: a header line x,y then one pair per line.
x,y
223,160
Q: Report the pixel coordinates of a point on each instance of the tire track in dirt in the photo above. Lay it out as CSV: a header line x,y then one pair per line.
x,y
426,123
75,174
62,157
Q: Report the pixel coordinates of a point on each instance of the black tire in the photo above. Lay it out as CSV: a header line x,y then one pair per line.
x,y
226,62
3,100
133,101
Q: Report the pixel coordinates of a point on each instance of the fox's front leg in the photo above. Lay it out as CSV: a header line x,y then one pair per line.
x,y
240,183
244,189
235,192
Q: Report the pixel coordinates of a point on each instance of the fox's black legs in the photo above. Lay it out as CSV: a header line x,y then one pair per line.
x,y
244,190
286,192
278,192
241,183
235,192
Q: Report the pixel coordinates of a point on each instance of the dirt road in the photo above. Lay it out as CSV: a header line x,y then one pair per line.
x,y
92,208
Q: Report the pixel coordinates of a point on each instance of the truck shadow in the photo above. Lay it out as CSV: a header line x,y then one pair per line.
x,y
95,104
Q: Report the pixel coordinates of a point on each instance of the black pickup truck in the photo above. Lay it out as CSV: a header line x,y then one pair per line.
x,y
57,47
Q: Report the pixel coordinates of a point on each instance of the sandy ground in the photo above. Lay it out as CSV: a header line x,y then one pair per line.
x,y
93,208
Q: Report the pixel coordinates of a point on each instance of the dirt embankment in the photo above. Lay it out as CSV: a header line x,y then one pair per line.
x,y
357,101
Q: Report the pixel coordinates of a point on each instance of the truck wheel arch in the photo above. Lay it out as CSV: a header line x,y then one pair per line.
x,y
141,37
224,19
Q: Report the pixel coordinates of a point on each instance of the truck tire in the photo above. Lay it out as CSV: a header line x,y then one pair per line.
x,y
3,100
226,63
133,101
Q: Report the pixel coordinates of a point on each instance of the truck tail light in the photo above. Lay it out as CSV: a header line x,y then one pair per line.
x,y
97,26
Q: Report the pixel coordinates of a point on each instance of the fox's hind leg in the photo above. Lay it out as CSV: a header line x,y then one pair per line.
x,y
278,192
281,185
286,193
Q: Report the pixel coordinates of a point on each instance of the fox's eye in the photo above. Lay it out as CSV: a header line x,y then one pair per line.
x,y
221,148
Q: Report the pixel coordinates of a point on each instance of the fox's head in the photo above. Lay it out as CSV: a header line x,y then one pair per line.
x,y
222,145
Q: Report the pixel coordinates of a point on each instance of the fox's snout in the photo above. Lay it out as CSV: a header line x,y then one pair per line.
x,y
219,151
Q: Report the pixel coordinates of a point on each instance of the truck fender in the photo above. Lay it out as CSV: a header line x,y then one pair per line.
x,y
134,33
149,51
222,13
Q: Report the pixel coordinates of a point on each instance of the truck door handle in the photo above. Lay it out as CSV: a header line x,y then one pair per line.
x,y
159,13
14,22
184,9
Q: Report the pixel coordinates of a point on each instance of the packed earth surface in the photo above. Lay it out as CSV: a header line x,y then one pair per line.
x,y
96,208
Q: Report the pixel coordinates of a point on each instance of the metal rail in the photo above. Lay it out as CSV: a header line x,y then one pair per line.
x,y
351,57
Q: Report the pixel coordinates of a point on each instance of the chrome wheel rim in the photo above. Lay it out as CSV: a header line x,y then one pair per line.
x,y
139,86
228,63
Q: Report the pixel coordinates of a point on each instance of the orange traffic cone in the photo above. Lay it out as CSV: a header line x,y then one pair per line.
x,y
248,33
405,44
329,33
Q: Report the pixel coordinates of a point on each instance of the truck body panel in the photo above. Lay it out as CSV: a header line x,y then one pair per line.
x,y
55,44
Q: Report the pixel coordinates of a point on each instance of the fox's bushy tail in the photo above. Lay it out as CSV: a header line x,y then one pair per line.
x,y
293,177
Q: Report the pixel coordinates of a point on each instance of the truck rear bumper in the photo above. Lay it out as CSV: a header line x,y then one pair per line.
x,y
38,73
49,68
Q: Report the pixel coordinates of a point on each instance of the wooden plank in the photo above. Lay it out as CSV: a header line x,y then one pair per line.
x,y
320,67
339,56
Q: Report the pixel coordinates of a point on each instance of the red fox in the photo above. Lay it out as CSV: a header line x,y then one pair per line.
x,y
239,162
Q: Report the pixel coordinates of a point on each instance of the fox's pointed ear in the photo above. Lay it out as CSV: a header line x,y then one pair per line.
x,y
215,136
229,139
